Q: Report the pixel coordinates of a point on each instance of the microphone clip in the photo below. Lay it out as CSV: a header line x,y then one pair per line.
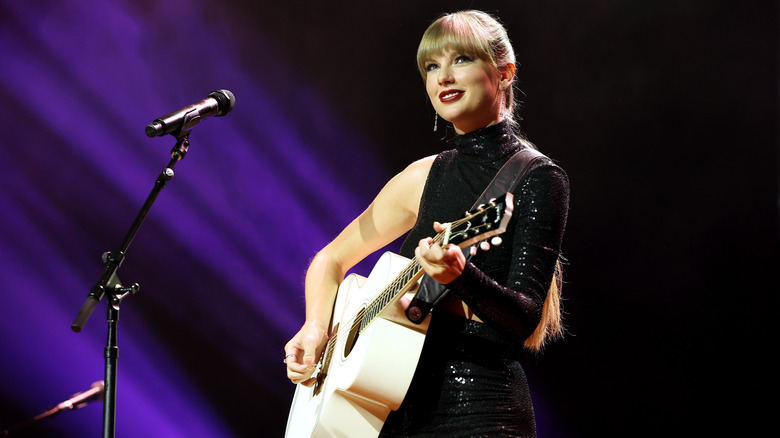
x,y
182,144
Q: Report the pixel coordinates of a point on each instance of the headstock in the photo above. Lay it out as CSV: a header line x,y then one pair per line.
x,y
480,224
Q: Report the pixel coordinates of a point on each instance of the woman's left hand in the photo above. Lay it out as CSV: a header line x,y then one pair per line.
x,y
443,264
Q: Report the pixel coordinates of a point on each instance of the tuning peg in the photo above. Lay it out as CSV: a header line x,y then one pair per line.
x,y
495,241
484,246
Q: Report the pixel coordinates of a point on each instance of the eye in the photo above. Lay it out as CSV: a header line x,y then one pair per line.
x,y
431,67
461,59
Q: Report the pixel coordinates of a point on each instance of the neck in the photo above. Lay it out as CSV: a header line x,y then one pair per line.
x,y
471,126
490,142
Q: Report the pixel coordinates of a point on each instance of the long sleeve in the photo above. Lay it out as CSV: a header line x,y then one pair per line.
x,y
512,301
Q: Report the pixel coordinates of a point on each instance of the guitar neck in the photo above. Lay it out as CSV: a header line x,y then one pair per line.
x,y
393,291
488,221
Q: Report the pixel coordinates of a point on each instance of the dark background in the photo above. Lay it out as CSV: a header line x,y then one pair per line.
x,y
664,115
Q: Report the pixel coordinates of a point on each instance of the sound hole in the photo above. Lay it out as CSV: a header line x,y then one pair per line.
x,y
352,338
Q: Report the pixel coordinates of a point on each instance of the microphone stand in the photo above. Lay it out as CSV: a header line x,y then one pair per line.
x,y
108,285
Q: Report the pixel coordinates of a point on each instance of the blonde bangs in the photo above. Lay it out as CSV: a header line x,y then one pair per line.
x,y
462,34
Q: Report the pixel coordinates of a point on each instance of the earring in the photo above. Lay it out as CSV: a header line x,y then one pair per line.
x,y
503,101
436,121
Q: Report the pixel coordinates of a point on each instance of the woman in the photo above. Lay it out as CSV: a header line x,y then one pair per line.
x,y
468,381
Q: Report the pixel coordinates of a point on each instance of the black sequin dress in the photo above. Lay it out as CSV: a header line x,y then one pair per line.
x,y
469,382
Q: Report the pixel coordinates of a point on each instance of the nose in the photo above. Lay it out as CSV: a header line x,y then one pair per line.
x,y
445,75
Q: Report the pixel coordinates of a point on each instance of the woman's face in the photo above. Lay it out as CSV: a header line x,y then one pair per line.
x,y
464,90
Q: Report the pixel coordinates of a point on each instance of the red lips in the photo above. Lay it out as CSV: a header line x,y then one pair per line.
x,y
450,95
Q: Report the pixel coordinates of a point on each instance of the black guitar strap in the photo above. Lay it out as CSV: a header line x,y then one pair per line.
x,y
430,292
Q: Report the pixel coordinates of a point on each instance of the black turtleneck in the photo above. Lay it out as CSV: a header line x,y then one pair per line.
x,y
507,285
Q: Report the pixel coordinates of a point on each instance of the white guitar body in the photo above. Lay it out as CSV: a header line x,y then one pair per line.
x,y
373,350
362,386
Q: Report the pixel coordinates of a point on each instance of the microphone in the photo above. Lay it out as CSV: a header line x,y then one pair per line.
x,y
219,103
80,399
77,401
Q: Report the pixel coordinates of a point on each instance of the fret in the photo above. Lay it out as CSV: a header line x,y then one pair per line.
x,y
488,220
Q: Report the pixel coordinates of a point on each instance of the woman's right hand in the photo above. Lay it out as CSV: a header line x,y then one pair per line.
x,y
303,352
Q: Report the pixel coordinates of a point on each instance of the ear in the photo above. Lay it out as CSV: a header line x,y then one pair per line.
x,y
507,76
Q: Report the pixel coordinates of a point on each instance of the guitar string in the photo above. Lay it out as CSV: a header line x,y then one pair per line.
x,y
405,274
390,292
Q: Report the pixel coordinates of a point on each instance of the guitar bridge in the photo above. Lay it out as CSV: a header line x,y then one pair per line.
x,y
325,363
320,382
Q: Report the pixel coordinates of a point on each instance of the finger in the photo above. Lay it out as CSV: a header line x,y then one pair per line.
x,y
293,348
452,252
418,254
290,358
304,379
425,243
425,254
432,268
435,252
423,248
294,366
298,373
455,262
311,351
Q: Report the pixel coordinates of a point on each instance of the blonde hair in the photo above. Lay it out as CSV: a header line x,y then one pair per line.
x,y
474,33
551,326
